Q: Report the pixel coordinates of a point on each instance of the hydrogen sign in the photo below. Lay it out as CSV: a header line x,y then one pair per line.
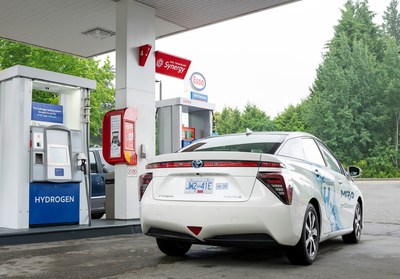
x,y
53,203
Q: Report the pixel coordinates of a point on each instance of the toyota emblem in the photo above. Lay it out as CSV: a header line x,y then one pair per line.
x,y
197,164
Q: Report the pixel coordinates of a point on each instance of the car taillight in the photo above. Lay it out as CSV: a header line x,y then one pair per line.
x,y
271,165
276,183
169,165
145,180
215,163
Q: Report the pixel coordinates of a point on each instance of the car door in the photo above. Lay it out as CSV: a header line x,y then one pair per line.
x,y
344,195
325,182
97,175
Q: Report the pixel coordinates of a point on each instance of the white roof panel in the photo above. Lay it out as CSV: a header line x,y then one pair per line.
x,y
58,24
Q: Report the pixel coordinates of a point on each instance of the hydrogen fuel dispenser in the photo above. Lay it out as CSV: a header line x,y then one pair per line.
x,y
43,149
53,153
55,175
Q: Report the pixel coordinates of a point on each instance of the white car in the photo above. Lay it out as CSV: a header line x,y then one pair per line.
x,y
252,190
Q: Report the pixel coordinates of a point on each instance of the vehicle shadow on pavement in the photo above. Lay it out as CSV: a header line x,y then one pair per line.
x,y
220,255
213,256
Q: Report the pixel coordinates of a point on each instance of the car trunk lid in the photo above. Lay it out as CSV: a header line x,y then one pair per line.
x,y
205,176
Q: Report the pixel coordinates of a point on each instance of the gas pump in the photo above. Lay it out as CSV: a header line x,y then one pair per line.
x,y
55,175
180,121
188,135
43,149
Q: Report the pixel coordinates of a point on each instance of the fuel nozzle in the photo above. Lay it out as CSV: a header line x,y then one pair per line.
x,y
81,157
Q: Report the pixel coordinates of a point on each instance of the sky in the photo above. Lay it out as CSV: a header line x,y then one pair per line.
x,y
268,58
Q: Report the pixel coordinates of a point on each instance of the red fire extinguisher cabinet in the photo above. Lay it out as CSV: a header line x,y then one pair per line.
x,y
119,144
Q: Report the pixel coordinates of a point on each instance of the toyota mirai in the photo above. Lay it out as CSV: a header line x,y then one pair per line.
x,y
251,190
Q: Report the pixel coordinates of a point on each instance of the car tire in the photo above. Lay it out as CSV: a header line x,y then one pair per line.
x,y
97,215
173,248
355,235
305,251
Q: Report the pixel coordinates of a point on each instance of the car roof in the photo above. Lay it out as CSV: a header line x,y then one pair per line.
x,y
284,134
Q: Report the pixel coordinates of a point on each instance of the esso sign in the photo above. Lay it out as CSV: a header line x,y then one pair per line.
x,y
198,81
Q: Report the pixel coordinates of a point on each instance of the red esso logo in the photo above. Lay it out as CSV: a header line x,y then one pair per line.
x,y
198,81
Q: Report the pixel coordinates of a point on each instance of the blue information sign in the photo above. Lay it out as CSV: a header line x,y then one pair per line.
x,y
47,113
53,203
198,96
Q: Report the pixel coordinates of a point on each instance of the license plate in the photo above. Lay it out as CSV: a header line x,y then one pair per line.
x,y
199,186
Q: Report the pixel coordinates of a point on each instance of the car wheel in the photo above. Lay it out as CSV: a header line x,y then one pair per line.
x,y
173,248
355,235
97,215
305,251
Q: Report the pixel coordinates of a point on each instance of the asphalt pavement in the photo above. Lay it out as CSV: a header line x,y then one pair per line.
x,y
137,256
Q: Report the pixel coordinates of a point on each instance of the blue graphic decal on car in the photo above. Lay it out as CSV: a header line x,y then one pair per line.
x,y
328,195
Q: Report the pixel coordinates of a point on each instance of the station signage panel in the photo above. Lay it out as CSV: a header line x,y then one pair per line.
x,y
47,113
198,81
53,203
170,65
198,96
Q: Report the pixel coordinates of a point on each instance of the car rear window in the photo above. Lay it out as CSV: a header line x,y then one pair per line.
x,y
238,143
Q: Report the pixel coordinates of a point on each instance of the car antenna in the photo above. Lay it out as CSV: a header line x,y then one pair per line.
x,y
248,132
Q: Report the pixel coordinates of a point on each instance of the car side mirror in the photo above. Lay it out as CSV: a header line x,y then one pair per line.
x,y
354,171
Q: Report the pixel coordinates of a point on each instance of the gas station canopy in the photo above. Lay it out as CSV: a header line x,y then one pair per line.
x,y
87,28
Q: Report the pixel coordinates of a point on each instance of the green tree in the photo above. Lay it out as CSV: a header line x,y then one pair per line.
x,y
346,102
356,24
391,21
391,62
380,162
228,121
255,119
102,99
231,120
291,119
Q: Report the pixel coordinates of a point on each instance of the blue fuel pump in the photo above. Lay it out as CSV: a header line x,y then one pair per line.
x,y
56,167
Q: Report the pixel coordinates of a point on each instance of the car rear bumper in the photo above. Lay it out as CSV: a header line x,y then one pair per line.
x,y
262,215
238,240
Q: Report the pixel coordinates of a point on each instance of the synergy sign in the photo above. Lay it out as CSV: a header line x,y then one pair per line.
x,y
170,65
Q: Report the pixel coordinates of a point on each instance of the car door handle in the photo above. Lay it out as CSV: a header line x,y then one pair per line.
x,y
340,181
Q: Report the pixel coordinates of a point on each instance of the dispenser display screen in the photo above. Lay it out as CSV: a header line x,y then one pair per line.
x,y
58,155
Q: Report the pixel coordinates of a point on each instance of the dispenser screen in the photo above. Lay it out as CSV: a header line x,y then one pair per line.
x,y
58,155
